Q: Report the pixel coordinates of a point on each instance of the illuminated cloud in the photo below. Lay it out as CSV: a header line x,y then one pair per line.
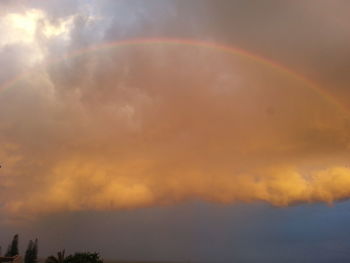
x,y
157,124
23,29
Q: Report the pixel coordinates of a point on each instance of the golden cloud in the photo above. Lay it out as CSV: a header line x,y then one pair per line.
x,y
155,125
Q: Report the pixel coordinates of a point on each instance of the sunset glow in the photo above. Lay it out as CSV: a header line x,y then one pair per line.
x,y
118,107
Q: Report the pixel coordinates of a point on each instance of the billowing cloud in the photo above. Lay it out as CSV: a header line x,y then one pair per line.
x,y
156,124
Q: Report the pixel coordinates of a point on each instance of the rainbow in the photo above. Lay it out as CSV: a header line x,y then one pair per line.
x,y
194,43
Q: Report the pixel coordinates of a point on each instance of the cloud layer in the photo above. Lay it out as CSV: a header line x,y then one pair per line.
x,y
154,124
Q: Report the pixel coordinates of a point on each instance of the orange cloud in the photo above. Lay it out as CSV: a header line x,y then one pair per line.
x,y
157,125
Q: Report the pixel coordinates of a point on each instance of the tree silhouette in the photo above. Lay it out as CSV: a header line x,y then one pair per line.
x,y
59,259
12,249
85,257
28,255
35,251
31,255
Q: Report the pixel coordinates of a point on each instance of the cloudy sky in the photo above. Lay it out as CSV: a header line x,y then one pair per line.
x,y
193,130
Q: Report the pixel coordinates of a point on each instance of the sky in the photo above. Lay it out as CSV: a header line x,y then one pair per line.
x,y
195,130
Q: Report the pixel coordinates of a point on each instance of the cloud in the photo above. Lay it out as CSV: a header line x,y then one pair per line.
x,y
157,124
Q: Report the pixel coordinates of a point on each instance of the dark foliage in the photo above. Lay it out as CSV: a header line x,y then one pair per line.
x,y
85,257
12,249
35,251
28,255
31,255
59,259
